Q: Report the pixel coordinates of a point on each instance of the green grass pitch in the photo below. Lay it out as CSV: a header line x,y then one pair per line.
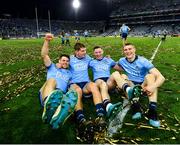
x,y
22,74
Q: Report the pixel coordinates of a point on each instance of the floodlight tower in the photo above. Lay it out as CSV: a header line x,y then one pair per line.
x,y
49,18
76,4
37,24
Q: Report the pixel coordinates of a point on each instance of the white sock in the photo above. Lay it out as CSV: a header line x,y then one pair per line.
x,y
107,107
127,89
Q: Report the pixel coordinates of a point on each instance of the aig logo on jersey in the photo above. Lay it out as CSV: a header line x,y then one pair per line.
x,y
80,66
61,76
102,67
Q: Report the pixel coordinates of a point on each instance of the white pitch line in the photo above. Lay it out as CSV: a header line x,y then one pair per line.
x,y
155,52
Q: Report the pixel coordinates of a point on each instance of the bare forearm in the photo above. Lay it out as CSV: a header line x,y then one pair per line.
x,y
118,68
45,48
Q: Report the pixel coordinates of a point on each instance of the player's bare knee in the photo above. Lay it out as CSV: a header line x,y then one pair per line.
x,y
51,82
124,76
150,77
98,82
103,85
116,74
79,91
93,87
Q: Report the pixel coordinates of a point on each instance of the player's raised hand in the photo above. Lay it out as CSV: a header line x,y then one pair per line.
x,y
49,36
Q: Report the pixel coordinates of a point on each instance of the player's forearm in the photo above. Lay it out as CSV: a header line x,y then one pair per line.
x,y
45,48
118,68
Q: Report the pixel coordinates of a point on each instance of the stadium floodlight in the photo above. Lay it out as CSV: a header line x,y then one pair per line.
x,y
76,4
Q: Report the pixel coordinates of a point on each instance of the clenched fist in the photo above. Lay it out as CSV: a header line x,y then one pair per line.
x,y
49,36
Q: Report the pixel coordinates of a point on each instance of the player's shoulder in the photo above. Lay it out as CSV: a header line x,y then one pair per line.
x,y
93,59
88,57
51,65
107,58
122,59
142,58
72,56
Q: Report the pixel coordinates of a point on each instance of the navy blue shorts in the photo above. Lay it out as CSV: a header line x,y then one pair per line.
x,y
137,83
82,84
124,35
104,79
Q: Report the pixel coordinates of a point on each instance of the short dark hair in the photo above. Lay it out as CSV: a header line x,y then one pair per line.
x,y
64,55
78,46
96,47
126,44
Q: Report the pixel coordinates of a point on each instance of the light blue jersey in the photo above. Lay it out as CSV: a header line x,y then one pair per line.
x,y
79,68
77,37
124,29
101,68
76,34
137,69
67,35
62,76
86,33
63,38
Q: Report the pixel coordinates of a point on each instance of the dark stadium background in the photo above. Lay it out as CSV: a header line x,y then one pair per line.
x,y
60,9
99,17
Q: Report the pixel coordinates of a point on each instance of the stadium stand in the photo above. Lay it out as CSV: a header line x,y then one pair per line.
x,y
27,28
144,17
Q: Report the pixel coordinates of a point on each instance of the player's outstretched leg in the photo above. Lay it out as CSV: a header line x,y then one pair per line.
x,y
153,118
113,110
51,104
85,131
100,124
135,92
65,109
136,110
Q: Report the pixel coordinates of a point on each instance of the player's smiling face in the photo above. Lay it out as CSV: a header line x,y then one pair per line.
x,y
81,53
98,53
64,62
129,52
